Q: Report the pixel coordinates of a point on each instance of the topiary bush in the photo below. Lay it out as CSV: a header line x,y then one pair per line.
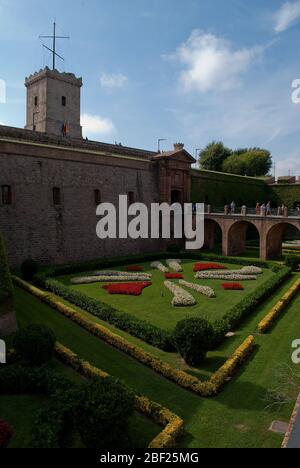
x,y
6,434
292,261
35,344
102,414
193,338
29,269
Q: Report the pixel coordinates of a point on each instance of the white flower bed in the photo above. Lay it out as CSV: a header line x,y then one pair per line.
x,y
205,290
181,297
159,266
175,265
222,276
121,274
244,271
108,279
252,270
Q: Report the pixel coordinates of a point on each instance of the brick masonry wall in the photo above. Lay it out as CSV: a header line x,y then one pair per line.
x,y
33,227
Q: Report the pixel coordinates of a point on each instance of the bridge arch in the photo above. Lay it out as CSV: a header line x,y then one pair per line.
x,y
237,233
213,234
274,238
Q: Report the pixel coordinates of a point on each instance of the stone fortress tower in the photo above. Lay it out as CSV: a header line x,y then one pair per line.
x,y
53,103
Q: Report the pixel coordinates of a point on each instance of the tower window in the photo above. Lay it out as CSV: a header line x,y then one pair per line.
x,y
36,101
64,101
6,195
97,197
56,196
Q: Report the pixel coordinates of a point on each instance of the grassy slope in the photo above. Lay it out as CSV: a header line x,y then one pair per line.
x,y
154,305
235,418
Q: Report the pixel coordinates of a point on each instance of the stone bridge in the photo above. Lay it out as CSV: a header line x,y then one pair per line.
x,y
234,232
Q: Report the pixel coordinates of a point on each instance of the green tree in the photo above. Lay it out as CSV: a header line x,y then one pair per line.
x,y
213,156
254,163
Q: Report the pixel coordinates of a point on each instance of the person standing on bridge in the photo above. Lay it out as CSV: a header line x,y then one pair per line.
x,y
257,209
268,209
232,207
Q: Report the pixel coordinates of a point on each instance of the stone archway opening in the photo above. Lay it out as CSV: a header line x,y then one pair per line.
x,y
243,236
279,236
212,236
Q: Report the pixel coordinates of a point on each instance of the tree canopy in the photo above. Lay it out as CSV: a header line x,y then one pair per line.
x,y
213,156
253,162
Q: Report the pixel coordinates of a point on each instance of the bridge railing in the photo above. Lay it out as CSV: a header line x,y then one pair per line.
x,y
246,211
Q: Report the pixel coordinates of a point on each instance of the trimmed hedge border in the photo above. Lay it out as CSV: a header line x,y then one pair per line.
x,y
145,331
151,334
172,423
282,304
204,389
241,311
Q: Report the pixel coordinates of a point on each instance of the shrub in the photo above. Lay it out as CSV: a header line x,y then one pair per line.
x,y
292,261
29,269
102,414
221,328
6,434
193,337
51,423
35,344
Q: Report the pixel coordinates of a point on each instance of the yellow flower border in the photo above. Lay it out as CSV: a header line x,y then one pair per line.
x,y
204,389
173,424
268,321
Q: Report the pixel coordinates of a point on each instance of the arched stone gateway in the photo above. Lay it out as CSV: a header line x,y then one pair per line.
x,y
270,230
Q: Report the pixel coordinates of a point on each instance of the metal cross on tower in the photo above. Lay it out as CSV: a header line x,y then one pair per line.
x,y
53,50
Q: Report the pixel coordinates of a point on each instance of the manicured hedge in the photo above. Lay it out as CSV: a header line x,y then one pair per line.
x,y
171,423
279,308
242,310
50,423
139,328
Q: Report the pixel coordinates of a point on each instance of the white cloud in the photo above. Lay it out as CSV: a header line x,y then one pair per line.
x,y
286,16
212,63
113,80
96,125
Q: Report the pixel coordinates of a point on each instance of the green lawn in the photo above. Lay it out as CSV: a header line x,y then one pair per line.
x,y
154,305
236,418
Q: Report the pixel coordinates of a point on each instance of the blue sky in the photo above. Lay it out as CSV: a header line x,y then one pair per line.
x,y
185,70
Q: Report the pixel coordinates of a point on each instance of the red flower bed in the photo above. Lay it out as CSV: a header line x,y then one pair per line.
x,y
129,289
173,276
233,287
6,434
208,266
134,268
